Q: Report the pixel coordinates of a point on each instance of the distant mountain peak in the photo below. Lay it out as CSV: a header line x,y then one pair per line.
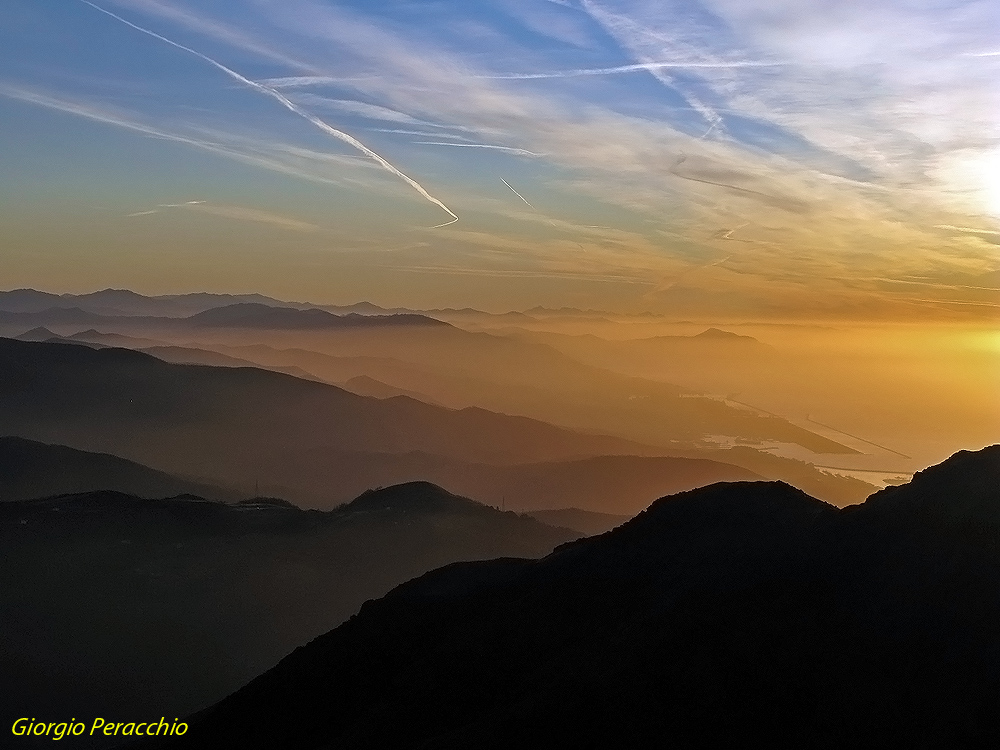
x,y
719,334
419,495
40,333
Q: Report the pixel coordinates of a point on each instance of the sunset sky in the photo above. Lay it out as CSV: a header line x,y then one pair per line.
x,y
727,158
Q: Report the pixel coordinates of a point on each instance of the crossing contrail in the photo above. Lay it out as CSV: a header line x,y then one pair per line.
x,y
288,104
518,194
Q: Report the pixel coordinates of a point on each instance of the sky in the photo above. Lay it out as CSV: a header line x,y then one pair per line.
x,y
723,159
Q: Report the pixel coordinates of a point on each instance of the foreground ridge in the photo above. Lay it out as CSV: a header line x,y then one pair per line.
x,y
731,615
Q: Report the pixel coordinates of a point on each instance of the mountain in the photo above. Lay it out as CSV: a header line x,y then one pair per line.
x,y
253,315
186,355
119,606
124,302
734,615
93,336
55,316
461,368
37,334
237,425
366,386
29,469
715,334
962,490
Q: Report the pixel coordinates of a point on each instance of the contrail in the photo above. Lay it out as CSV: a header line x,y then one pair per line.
x,y
537,211
518,194
479,145
164,205
633,68
288,104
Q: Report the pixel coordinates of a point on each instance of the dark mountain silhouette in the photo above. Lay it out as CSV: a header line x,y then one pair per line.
x,y
41,333
253,315
715,334
961,490
30,469
237,424
585,521
735,615
119,606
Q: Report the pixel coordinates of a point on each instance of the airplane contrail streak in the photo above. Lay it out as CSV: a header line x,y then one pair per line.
x,y
479,145
288,104
633,68
518,194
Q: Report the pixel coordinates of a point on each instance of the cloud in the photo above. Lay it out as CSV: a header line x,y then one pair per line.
x,y
242,213
844,139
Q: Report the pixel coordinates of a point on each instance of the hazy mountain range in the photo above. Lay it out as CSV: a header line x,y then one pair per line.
x,y
733,615
515,374
308,441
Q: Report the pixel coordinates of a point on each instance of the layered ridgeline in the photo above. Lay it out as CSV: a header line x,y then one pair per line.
x,y
453,366
316,444
735,615
120,606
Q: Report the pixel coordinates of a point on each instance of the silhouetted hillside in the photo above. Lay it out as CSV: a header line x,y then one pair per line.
x,y
118,606
963,489
29,469
735,615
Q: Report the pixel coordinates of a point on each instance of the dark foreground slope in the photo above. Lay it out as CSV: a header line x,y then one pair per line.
x,y
735,615
117,606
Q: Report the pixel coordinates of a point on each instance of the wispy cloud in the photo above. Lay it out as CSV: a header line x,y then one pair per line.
x,y
242,213
839,139
238,213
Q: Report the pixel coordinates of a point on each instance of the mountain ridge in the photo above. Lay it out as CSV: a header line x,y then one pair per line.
x,y
734,613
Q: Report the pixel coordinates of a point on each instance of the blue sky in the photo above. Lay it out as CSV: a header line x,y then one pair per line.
x,y
630,154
